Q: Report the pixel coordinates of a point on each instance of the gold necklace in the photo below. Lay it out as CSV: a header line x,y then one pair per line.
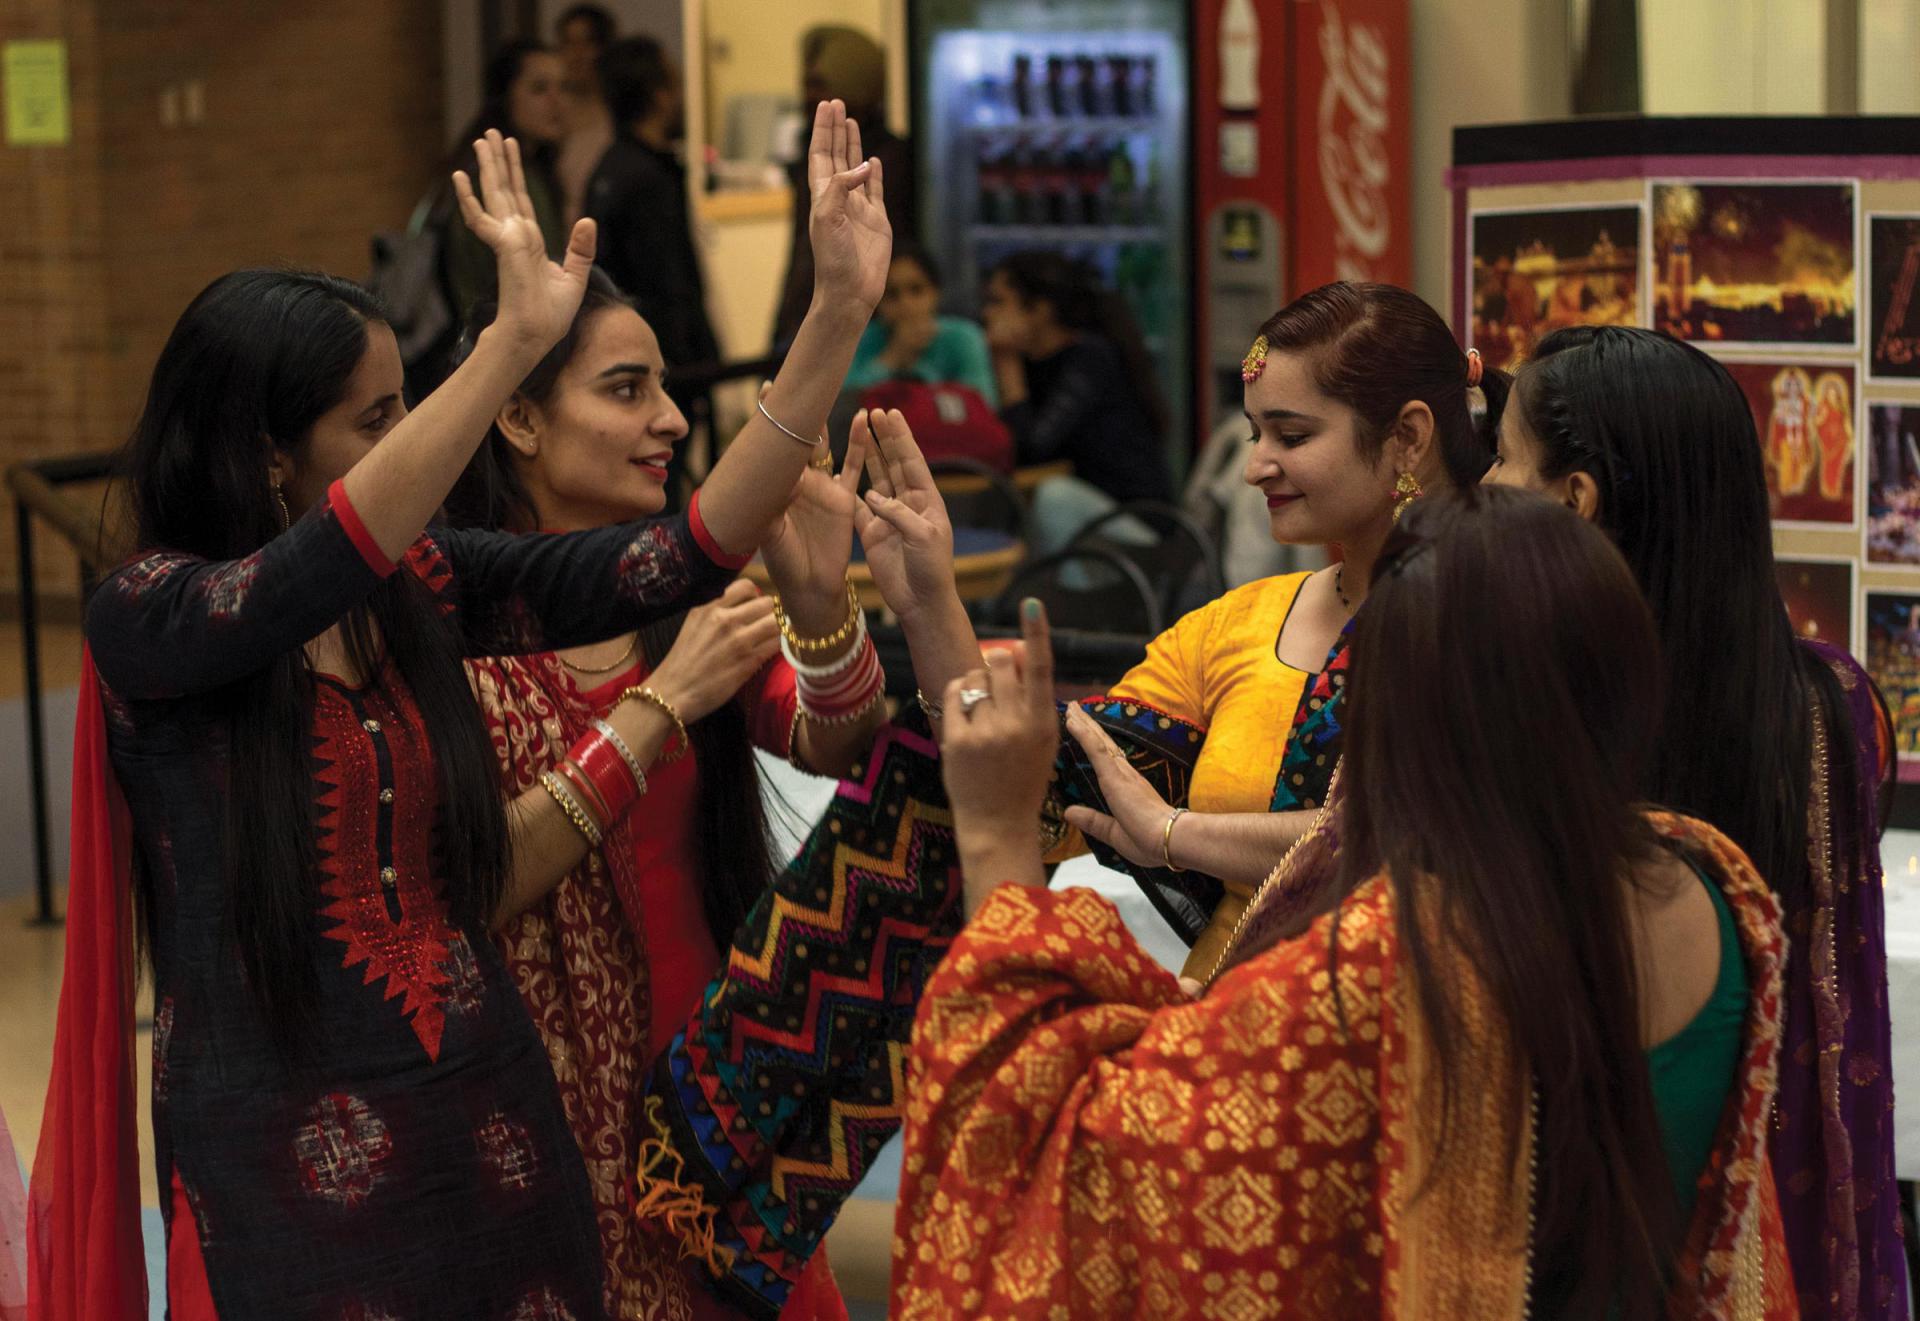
x,y
618,661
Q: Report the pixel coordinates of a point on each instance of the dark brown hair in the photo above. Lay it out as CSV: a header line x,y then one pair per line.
x,y
1376,348
1501,716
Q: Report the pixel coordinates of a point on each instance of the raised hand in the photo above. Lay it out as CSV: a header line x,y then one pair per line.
x,y
999,731
538,296
847,226
903,524
807,552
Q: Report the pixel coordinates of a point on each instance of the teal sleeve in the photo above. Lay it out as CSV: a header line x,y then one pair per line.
x,y
966,359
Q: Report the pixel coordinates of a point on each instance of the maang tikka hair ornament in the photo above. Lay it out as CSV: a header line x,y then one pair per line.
x,y
1255,362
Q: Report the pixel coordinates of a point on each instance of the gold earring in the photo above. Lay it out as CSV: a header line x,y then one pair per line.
x,y
286,519
1405,492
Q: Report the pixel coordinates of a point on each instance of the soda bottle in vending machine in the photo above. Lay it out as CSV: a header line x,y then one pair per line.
x,y
1239,57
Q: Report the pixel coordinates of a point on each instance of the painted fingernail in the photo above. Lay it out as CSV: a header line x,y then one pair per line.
x,y
1030,609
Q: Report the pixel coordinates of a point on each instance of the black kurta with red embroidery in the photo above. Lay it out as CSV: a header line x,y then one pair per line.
x,y
419,1165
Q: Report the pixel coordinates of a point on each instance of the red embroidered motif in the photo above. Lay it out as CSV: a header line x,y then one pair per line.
x,y
654,566
425,560
388,911
226,588
508,1152
341,1149
143,575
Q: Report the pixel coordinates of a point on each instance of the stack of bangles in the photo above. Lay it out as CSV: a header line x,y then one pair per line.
x,y
597,782
843,691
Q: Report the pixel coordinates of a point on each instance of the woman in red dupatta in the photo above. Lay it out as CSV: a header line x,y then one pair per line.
x,y
1432,1097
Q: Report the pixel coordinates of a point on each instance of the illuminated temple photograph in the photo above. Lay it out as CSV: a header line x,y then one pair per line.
x,y
1536,271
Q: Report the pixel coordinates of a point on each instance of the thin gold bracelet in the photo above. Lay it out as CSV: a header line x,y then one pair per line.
x,y
563,797
652,698
1166,839
812,646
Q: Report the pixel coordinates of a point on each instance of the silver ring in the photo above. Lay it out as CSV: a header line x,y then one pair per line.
x,y
972,697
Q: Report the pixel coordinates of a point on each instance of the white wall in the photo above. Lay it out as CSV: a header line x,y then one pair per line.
x,y
1483,62
1889,57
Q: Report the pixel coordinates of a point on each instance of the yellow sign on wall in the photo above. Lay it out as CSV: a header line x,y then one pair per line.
x,y
34,74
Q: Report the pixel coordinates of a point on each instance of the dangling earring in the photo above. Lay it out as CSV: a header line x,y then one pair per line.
x,y
1405,492
286,519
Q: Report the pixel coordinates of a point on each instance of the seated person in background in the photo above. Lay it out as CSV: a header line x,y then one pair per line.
x,y
934,369
1076,384
909,338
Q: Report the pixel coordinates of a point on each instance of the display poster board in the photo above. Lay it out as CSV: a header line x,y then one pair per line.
x,y
1800,271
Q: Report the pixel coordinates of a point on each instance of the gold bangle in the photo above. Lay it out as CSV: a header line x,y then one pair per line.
x,y
813,646
927,708
1166,839
563,797
649,696
793,740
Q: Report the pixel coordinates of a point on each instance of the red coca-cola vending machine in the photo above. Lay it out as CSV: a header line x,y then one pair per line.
x,y
1300,167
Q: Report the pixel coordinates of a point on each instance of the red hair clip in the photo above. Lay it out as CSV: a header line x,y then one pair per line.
x,y
1474,368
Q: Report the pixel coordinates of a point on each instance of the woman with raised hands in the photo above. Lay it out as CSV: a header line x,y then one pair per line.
x,y
1448,1090
352,1114
619,916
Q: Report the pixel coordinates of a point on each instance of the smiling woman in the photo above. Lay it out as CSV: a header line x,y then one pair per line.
x,y
1204,764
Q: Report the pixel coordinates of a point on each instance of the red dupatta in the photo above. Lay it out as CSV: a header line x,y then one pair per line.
x,y
85,1260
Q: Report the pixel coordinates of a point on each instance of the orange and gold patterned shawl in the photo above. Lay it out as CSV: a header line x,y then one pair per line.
x,y
1083,1140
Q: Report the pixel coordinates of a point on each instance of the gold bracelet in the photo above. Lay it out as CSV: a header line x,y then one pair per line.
x,y
927,708
563,796
1166,839
793,741
812,646
649,696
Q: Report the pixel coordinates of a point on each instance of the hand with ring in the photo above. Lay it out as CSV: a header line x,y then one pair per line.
x,y
999,734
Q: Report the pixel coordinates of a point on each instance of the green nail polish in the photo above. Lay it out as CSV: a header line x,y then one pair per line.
x,y
1030,609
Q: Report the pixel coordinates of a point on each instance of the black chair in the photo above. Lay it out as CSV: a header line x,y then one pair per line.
x,y
980,497
1181,563
1088,588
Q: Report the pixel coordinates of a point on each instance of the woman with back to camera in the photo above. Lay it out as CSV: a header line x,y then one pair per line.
x,y
612,956
1199,769
1444,1092
1777,741
351,1110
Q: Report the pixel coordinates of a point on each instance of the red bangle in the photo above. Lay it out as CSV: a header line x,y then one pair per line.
x,y
608,771
584,789
843,697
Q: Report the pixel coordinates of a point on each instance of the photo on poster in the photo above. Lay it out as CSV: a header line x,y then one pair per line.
x,y
1893,484
1536,271
1818,595
1893,659
1804,413
1755,264
1893,310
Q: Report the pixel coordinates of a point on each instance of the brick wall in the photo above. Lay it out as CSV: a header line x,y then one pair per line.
x,y
296,130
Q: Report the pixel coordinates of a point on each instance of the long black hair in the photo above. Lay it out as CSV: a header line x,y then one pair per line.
x,y
255,360
1375,348
1084,304
496,112
733,850
1499,726
1668,438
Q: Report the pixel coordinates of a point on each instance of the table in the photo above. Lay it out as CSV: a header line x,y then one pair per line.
x,y
1900,855
983,562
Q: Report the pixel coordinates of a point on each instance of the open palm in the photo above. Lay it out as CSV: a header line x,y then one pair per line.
x,y
538,296
847,226
903,525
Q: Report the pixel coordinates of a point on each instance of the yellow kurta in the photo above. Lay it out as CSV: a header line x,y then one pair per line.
x,y
1217,669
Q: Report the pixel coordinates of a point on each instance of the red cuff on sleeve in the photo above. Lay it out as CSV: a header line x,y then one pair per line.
x,y
357,531
704,539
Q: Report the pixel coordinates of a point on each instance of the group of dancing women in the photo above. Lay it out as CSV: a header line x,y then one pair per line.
x,y
1529,862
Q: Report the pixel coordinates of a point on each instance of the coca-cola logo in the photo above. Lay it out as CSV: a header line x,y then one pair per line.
x,y
1352,125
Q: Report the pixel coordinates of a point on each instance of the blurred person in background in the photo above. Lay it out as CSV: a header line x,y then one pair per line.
x,y
1076,384
843,63
583,33
910,338
638,195
522,100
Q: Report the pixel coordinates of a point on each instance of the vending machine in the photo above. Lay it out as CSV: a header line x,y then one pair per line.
x,y
1060,124
1302,157
1212,158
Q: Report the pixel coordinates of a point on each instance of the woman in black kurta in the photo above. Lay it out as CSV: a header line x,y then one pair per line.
x,y
410,1157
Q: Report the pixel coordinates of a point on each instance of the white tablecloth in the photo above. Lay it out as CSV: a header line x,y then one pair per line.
x,y
1900,853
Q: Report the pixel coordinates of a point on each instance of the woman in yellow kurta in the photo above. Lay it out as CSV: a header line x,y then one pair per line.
x,y
1206,762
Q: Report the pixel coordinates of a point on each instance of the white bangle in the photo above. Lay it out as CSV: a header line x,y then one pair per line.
x,y
761,404
833,668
